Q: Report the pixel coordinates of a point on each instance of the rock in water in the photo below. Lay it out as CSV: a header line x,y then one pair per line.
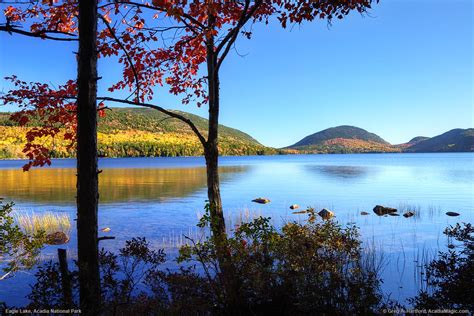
x,y
452,214
300,212
408,214
326,214
294,206
57,238
383,210
105,230
261,200
364,213
393,214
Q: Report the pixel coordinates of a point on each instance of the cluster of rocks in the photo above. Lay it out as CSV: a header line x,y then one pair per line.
x,y
380,210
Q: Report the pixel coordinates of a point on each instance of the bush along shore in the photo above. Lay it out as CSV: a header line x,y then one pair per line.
x,y
314,267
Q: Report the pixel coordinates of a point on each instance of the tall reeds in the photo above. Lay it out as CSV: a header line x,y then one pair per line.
x,y
48,222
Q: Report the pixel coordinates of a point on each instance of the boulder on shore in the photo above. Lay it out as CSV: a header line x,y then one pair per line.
x,y
408,214
326,214
381,210
261,200
452,214
56,238
294,206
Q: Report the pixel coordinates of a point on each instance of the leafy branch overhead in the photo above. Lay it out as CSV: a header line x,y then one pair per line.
x,y
162,43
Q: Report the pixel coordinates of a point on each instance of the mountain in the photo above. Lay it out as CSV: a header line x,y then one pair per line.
x,y
343,139
150,120
350,139
456,140
417,139
137,132
413,141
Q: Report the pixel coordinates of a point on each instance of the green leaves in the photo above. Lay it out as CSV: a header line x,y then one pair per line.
x,y
17,249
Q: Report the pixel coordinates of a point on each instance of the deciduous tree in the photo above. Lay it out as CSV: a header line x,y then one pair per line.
x,y
182,44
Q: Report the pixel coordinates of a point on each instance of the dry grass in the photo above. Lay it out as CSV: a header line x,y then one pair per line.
x,y
48,222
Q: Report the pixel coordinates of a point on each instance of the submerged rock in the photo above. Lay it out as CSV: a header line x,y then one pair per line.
x,y
364,213
326,214
383,210
57,238
452,214
408,214
294,206
261,200
300,212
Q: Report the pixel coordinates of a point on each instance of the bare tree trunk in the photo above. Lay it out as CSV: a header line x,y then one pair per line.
x,y
87,171
65,278
211,153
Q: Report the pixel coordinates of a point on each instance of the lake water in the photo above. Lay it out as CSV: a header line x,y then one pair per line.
x,y
162,199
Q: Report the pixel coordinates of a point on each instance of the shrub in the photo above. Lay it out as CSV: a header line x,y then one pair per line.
x,y
122,280
302,269
450,277
309,268
18,250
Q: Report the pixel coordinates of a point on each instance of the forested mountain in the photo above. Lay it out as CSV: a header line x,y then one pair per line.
x,y
136,132
343,139
350,139
456,140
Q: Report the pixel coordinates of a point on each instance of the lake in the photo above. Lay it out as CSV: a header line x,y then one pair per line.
x,y
163,198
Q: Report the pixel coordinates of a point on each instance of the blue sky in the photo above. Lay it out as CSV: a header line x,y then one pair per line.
x,y
403,70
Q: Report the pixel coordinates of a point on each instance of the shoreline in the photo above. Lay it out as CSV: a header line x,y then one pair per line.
x,y
264,155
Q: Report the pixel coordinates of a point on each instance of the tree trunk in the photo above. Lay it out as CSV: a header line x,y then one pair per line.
x,y
65,278
87,172
211,153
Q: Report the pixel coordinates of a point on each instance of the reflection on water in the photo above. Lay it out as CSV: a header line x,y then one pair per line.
x,y
57,186
429,184
342,172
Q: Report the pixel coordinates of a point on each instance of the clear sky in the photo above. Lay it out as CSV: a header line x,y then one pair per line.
x,y
404,70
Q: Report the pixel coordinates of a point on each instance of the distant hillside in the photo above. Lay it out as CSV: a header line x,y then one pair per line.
x,y
416,140
343,139
456,140
121,119
350,139
413,141
136,132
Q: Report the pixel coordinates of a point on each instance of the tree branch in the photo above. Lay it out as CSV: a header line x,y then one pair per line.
x,y
234,30
130,61
229,40
147,6
40,34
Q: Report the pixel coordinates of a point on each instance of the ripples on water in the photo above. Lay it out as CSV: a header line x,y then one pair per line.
x,y
161,199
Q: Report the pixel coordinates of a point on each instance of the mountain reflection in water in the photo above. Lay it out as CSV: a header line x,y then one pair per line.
x,y
340,172
58,186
